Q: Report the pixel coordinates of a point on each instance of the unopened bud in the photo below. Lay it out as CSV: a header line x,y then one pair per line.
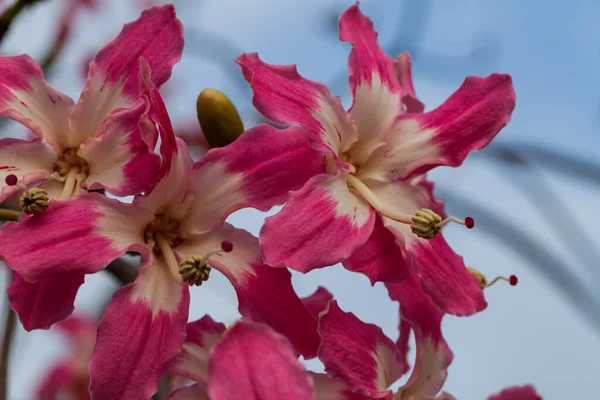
x,y
220,121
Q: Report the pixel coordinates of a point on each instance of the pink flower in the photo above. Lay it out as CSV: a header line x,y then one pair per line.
x,y
70,375
103,141
359,209
526,392
179,231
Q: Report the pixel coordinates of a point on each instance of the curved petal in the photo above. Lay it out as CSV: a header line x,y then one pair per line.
x,y
30,161
377,93
252,362
322,224
404,72
112,80
526,392
381,259
201,337
141,333
28,99
258,170
327,388
120,161
194,392
317,302
80,235
285,97
45,302
253,282
358,353
466,122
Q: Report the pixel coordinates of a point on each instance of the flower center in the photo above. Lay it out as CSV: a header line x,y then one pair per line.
x,y
71,168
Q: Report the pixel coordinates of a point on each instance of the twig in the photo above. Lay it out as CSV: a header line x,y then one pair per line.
x,y
11,13
9,329
8,215
123,271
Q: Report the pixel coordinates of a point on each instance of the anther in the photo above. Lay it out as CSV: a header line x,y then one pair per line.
x,y
195,270
34,201
483,283
425,224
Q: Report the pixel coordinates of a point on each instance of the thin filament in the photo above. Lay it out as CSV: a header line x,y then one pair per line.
x,y
169,256
70,182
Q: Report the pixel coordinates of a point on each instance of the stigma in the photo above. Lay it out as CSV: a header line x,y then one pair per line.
x,y
34,200
483,282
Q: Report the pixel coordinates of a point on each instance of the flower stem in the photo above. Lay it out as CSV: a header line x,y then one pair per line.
x,y
11,13
9,329
9,215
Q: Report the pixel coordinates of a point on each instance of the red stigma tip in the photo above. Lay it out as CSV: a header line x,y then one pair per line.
x,y
11,180
469,222
513,280
227,246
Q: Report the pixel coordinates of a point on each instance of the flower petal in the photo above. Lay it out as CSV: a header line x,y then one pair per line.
x,y
467,121
80,235
317,302
45,302
327,388
252,362
28,99
56,380
526,392
30,161
201,336
140,335
373,82
112,80
254,171
194,392
322,224
358,353
404,71
381,259
283,96
253,282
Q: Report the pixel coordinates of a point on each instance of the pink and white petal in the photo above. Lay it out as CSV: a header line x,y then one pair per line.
x,y
30,161
381,259
466,122
322,224
526,392
194,392
404,71
119,159
358,353
253,282
427,188
56,380
26,98
402,342
327,388
285,97
80,235
317,302
113,81
201,336
254,171
41,304
253,362
140,335
373,82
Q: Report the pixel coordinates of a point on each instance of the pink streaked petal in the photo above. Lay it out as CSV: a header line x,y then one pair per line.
x,y
322,224
404,71
253,282
253,362
194,392
112,80
202,335
28,99
120,160
41,304
358,353
317,302
285,97
140,335
254,171
381,259
427,187
327,388
30,161
80,235
377,93
526,392
402,342
466,122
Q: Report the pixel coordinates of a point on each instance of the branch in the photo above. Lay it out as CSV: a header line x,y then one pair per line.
x,y
9,215
11,13
123,271
9,329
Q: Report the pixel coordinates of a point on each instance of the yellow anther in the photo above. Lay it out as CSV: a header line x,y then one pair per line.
x,y
425,224
480,277
34,201
483,282
195,270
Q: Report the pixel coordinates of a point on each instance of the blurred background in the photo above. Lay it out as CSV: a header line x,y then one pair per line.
x,y
534,192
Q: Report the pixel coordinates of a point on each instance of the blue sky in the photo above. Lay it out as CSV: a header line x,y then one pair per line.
x,y
529,333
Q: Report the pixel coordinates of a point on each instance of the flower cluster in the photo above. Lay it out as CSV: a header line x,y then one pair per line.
x,y
353,187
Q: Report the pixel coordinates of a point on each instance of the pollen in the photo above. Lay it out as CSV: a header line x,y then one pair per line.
x,y
425,224
34,201
195,270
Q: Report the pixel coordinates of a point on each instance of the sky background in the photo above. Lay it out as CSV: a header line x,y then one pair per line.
x,y
542,331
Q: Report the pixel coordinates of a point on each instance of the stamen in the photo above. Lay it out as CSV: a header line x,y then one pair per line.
x,y
195,269
12,180
226,246
483,283
168,255
34,201
468,222
70,182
